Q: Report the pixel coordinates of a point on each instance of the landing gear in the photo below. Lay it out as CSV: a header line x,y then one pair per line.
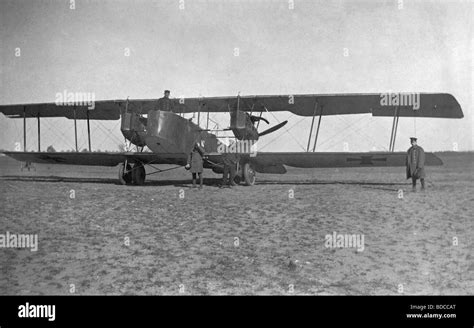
x,y
129,175
138,174
125,173
249,174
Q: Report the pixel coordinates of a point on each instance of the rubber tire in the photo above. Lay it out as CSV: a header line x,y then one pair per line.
x,y
249,174
138,174
126,178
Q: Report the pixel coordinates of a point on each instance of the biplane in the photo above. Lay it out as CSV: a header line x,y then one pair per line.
x,y
170,137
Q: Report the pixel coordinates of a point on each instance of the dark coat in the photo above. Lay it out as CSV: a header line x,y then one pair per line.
x,y
415,162
165,104
195,159
230,159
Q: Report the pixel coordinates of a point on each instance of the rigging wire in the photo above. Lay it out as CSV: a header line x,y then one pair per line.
x,y
287,129
338,133
271,141
53,129
357,130
109,134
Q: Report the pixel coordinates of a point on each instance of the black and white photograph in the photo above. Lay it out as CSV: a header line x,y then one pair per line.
x,y
236,147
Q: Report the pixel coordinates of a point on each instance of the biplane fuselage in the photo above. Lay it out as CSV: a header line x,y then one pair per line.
x,y
163,132
167,132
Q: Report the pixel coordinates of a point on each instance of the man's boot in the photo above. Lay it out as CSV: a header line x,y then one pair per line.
x,y
224,176
422,184
413,187
194,183
200,182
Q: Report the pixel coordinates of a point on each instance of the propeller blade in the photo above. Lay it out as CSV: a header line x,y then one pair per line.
x,y
258,118
272,129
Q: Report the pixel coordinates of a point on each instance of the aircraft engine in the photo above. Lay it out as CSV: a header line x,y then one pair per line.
x,y
133,127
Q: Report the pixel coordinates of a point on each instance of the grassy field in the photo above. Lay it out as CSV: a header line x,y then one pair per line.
x,y
167,238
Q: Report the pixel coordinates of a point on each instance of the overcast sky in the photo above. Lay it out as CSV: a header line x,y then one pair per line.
x,y
190,48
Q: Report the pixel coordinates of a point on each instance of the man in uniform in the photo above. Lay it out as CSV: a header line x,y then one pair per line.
x,y
416,164
165,104
230,161
195,163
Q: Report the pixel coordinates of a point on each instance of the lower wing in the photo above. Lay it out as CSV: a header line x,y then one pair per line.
x,y
276,162
263,162
99,159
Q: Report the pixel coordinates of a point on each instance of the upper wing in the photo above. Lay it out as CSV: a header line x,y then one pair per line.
x,y
430,105
99,159
102,110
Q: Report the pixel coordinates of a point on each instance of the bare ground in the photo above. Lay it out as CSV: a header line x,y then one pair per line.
x,y
246,240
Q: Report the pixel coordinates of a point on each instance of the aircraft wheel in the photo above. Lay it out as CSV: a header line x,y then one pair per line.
x,y
249,174
125,178
138,174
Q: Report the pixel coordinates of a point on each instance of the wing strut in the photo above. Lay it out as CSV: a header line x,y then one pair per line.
x,y
259,119
88,129
312,124
393,135
39,134
24,128
75,127
199,113
317,130
27,165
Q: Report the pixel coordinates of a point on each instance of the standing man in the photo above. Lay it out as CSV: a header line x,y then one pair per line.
x,y
416,164
195,163
230,160
165,104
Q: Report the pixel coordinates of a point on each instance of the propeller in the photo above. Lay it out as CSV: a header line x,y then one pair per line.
x,y
272,129
258,118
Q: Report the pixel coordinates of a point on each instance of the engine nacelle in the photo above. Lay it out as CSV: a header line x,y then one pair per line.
x,y
133,127
242,126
